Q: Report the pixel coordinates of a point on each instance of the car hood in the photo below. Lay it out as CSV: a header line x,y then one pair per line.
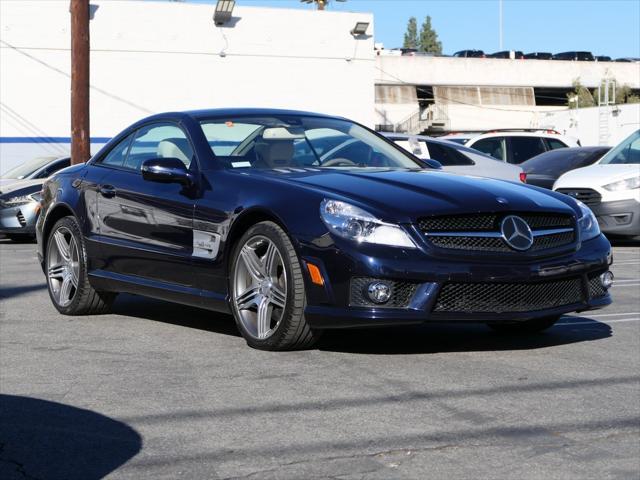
x,y
17,186
404,195
596,175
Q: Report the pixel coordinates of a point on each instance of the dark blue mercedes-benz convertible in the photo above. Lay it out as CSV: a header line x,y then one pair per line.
x,y
297,222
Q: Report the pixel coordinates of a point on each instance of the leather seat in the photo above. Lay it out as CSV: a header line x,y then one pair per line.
x,y
274,153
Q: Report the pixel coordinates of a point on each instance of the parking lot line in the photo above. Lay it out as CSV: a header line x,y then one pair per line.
x,y
614,314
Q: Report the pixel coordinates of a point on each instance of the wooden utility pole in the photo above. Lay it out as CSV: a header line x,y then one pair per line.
x,y
80,138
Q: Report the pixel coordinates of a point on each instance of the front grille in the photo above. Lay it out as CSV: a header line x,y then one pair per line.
x,y
436,229
496,244
507,297
401,293
585,195
490,222
21,218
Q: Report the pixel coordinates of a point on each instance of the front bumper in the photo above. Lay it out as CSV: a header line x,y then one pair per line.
x,y
329,306
621,217
18,220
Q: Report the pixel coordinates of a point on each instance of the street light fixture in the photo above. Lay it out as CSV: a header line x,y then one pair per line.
x,y
360,29
223,11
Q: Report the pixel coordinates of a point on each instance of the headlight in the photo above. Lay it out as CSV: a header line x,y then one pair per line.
x,y
15,201
353,223
587,223
626,184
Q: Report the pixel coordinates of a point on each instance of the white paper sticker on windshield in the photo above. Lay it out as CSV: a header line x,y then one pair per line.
x,y
240,164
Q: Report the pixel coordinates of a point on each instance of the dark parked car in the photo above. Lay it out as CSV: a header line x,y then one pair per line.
x,y
544,169
628,59
20,196
507,54
40,167
256,213
575,56
470,54
603,58
539,56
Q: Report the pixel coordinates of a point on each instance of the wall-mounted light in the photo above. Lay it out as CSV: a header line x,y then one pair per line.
x,y
223,11
360,29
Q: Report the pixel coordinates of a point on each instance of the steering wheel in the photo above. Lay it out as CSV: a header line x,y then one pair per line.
x,y
339,162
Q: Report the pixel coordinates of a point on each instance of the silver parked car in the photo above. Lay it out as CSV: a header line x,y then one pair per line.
x,y
20,196
456,158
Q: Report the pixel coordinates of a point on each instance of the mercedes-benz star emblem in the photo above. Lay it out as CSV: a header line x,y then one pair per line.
x,y
516,232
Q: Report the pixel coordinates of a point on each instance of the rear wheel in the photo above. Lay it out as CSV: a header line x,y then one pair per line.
x,y
267,291
528,326
66,270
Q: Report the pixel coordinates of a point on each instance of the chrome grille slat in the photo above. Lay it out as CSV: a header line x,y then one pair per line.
x,y
587,196
481,232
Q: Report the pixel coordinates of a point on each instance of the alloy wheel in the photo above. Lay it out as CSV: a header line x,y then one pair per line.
x,y
63,266
260,287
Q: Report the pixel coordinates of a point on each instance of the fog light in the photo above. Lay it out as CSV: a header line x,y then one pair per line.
x,y
379,292
606,279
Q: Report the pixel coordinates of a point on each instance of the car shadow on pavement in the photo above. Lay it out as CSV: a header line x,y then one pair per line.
x,y
9,292
175,314
464,337
43,439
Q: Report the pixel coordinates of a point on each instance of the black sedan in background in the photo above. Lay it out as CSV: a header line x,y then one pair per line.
x,y
297,222
544,169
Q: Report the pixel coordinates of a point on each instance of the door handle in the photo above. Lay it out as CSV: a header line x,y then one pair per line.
x,y
107,191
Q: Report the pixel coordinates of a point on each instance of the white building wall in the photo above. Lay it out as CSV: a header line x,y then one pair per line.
x,y
153,57
583,123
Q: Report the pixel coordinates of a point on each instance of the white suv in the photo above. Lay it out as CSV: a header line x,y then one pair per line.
x,y
610,187
514,146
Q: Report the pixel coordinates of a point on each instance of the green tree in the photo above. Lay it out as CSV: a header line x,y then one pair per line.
x,y
429,38
411,36
624,94
581,97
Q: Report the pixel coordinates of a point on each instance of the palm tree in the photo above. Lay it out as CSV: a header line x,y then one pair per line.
x,y
320,3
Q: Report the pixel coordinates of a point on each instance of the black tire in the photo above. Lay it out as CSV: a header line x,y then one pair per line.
x,y
293,332
21,238
86,300
528,326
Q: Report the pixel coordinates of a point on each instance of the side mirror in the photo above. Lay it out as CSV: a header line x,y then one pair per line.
x,y
431,163
166,170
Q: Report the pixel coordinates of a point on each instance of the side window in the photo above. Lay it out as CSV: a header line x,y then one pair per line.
x,y
160,140
554,143
524,148
491,146
447,156
118,154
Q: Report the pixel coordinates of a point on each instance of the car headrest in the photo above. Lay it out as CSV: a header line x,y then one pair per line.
x,y
175,148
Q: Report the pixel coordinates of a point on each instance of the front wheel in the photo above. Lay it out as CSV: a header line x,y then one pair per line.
x,y
267,291
66,270
528,326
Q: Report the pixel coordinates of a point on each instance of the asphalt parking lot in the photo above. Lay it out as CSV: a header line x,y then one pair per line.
x,y
157,390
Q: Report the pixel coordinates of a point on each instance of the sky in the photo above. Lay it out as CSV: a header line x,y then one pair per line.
x,y
603,27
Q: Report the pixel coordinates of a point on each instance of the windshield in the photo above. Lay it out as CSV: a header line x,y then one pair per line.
x,y
26,169
291,141
627,152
